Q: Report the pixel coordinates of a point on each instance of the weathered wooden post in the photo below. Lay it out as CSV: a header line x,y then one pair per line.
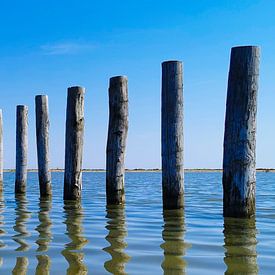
x,y
116,143
74,143
42,141
172,134
239,161
21,148
1,150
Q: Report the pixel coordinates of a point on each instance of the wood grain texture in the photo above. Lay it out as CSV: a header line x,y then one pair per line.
x,y
1,151
21,149
74,143
116,143
42,142
172,134
239,162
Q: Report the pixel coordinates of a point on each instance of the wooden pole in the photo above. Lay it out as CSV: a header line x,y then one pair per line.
x,y
239,162
116,143
21,149
42,141
74,143
1,150
172,135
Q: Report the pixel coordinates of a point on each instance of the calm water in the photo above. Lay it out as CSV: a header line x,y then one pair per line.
x,y
50,237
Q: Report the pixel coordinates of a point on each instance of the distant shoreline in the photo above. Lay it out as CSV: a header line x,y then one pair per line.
x,y
139,170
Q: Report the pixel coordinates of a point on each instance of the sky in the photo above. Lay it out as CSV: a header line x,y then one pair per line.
x,y
47,46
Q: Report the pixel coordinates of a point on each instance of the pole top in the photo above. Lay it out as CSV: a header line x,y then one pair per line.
x,y
171,62
76,89
118,78
22,107
38,96
245,47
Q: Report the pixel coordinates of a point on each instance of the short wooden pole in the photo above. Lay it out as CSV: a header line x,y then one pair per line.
x,y
42,142
116,143
21,149
172,134
1,150
239,161
74,143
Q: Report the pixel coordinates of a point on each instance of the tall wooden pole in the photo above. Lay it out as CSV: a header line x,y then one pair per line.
x,y
42,141
1,150
172,135
239,162
21,149
117,135
74,143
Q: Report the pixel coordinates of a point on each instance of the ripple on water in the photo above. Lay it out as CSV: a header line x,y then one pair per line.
x,y
51,237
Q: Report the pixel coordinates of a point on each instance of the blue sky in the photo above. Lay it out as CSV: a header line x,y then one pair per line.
x,y
47,46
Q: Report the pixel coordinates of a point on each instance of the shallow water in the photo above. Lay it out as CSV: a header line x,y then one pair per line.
x,y
50,237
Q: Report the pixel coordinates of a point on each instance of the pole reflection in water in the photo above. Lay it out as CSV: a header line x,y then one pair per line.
x,y
2,231
117,232
44,237
45,223
22,215
43,266
21,266
72,252
173,245
240,246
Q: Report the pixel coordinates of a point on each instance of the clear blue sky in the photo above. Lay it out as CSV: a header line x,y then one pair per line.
x,y
47,46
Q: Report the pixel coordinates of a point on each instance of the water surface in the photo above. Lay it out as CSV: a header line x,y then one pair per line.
x,y
53,237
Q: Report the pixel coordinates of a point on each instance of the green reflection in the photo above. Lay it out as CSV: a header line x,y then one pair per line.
x,y
21,266
173,245
45,223
43,266
72,252
240,246
117,232
22,215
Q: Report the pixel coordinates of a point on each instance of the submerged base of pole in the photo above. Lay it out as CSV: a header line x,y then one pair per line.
x,y
172,201
115,197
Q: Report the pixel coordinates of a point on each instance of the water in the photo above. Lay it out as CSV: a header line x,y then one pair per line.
x,y
50,237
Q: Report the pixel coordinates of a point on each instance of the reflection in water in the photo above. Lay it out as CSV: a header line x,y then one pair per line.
x,y
22,215
240,245
173,246
73,220
117,232
21,266
2,231
45,235
44,227
43,266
